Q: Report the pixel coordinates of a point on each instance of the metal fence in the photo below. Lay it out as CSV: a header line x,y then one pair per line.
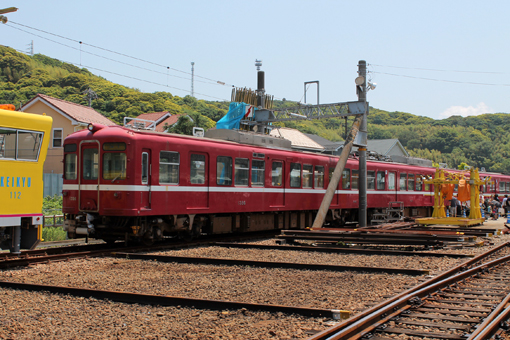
x,y
53,184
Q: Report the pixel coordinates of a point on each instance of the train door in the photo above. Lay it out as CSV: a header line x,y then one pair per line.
x,y
198,196
88,180
146,179
392,185
277,196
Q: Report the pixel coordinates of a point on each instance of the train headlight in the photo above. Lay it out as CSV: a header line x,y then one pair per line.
x,y
90,127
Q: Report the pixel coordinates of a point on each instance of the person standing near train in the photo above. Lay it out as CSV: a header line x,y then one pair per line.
x,y
453,206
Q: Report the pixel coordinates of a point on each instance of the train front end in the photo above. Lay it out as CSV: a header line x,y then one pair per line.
x,y
98,194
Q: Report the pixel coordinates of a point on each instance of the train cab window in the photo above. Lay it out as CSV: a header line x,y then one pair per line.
x,y
197,169
318,177
90,163
70,166
169,163
392,181
257,173
114,166
8,143
28,145
355,179
381,180
277,174
403,183
346,179
307,175
370,180
410,182
224,170
419,182
242,171
295,175
20,145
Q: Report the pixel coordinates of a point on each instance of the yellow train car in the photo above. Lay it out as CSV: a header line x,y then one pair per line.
x,y
24,139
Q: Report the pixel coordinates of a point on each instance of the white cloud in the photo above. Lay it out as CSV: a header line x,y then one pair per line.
x,y
481,108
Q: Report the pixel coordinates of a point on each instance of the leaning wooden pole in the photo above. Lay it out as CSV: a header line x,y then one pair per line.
x,y
335,178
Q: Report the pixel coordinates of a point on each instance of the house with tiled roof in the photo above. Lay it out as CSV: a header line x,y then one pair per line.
x,y
161,119
67,118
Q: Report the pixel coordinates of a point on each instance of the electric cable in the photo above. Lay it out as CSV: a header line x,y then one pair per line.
x,y
439,80
114,52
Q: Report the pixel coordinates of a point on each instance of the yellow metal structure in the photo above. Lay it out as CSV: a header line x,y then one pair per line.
x,y
439,216
24,140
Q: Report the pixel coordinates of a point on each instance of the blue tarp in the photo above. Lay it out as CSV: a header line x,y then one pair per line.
x,y
236,112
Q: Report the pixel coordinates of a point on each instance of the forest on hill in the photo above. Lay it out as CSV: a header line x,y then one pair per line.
x,y
479,141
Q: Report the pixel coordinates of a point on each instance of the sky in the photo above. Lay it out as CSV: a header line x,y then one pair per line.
x,y
429,58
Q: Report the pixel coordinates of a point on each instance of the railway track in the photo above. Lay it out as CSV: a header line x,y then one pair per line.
x,y
470,301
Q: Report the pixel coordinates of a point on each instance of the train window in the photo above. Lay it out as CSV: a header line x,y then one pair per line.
x,y
410,182
70,166
370,180
403,178
197,169
355,179
381,180
224,170
57,138
28,145
346,179
257,173
419,182
70,148
508,186
307,175
114,166
145,167
502,186
295,175
318,177
169,167
392,181
7,143
242,172
90,163
277,174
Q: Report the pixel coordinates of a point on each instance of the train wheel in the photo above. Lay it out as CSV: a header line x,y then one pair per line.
x,y
148,239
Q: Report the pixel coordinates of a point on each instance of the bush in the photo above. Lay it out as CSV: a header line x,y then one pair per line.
x,y
54,234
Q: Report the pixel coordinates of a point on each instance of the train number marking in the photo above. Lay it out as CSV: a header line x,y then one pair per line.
x,y
15,195
242,202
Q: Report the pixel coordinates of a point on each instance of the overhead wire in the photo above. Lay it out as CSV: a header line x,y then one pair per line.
x,y
440,80
106,58
436,70
217,82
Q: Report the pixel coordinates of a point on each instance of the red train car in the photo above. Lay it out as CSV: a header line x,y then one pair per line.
x,y
125,184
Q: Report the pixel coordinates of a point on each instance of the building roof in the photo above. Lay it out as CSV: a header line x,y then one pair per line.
x,y
328,145
75,112
384,146
161,119
298,139
381,146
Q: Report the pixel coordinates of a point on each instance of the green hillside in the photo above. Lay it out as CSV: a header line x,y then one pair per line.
x,y
479,141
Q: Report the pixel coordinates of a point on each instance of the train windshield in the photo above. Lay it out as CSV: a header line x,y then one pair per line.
x,y
114,165
20,144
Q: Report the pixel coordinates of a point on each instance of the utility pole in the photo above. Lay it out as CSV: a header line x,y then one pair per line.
x,y
192,78
361,142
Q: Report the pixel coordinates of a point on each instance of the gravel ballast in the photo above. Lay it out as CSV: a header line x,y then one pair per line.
x,y
27,315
